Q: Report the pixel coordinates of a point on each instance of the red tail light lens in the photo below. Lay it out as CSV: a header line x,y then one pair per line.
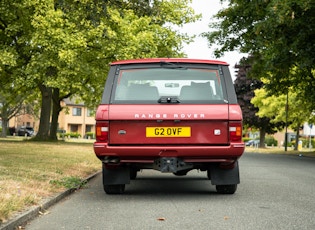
x,y
235,129
102,130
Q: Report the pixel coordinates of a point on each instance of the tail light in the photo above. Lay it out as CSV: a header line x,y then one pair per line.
x,y
102,129
235,129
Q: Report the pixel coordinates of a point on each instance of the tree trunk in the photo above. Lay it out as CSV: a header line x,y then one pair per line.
x,y
262,134
56,108
4,119
297,138
4,127
44,121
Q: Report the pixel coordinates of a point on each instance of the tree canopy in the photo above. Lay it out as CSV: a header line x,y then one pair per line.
x,y
279,35
285,108
62,48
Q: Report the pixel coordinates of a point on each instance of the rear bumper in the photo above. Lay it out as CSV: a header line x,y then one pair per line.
x,y
193,154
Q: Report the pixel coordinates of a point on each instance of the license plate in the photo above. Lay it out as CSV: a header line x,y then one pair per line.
x,y
168,132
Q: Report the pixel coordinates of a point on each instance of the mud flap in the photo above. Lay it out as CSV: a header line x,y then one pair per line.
x,y
119,175
221,176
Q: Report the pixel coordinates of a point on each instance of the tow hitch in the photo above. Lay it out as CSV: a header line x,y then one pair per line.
x,y
171,164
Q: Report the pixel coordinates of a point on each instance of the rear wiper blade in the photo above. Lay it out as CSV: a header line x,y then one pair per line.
x,y
168,100
171,65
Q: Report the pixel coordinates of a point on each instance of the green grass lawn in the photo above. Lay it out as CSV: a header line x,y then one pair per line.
x,y
33,171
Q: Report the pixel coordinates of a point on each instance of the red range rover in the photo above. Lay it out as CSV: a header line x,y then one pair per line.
x,y
172,115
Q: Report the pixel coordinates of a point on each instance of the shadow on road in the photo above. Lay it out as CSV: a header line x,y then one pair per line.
x,y
169,184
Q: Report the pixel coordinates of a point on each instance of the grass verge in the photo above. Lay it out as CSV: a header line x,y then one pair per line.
x,y
32,171
277,150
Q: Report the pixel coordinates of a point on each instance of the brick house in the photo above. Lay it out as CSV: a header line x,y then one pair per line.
x,y
74,118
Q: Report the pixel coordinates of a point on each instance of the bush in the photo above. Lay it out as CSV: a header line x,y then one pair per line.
x,y
72,135
61,133
291,144
271,141
89,135
245,139
306,142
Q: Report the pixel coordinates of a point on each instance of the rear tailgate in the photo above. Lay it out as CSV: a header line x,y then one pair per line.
x,y
168,124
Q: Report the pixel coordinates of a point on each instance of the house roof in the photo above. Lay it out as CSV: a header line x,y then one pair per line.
x,y
73,101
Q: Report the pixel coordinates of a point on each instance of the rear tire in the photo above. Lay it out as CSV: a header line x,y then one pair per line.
x,y
133,173
226,189
209,174
114,189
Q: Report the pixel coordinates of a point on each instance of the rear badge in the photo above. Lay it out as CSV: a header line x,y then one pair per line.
x,y
217,132
122,132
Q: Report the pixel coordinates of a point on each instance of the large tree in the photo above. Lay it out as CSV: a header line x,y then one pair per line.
x,y
67,44
279,34
14,54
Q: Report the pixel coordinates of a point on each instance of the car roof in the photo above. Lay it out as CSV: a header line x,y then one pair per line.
x,y
172,60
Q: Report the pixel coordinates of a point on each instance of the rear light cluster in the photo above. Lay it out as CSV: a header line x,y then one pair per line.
x,y
102,130
235,129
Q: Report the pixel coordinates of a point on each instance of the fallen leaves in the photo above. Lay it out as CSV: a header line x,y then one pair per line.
x,y
161,219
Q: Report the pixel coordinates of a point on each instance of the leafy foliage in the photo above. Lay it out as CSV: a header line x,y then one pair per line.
x,y
62,48
271,141
274,107
291,109
245,88
279,34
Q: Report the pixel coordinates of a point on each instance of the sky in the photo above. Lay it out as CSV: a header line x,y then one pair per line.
x,y
199,48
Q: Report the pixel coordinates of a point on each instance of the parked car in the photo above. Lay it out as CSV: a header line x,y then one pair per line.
x,y
252,143
170,115
12,130
26,131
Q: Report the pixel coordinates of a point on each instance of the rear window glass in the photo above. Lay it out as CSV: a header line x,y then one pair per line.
x,y
161,85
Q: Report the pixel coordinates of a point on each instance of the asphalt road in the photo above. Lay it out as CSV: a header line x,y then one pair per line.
x,y
276,192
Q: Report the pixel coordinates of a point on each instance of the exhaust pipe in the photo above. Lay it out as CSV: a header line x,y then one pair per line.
x,y
111,160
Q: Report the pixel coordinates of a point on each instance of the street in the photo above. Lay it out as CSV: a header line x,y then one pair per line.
x,y
276,192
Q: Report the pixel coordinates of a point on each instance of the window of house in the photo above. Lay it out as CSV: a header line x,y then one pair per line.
x,y
88,128
76,111
74,128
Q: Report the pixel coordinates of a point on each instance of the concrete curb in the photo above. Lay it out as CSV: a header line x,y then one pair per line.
x,y
36,211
